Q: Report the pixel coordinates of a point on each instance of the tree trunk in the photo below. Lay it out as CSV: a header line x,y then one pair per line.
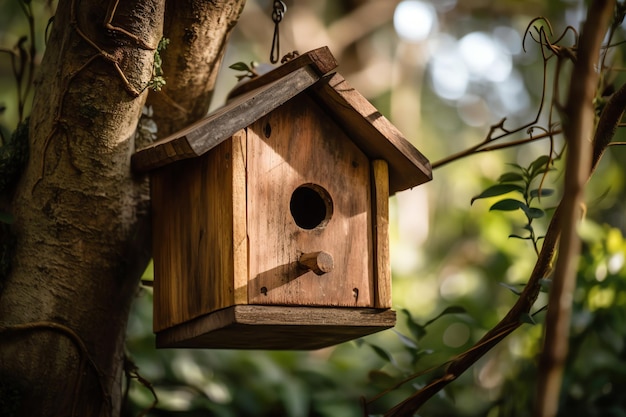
x,y
81,216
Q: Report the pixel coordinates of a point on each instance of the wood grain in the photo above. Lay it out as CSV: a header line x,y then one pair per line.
x,y
240,220
321,60
295,145
369,129
194,234
276,327
319,262
373,133
382,263
220,125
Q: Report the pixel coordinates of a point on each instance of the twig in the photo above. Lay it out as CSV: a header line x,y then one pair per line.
x,y
481,148
554,50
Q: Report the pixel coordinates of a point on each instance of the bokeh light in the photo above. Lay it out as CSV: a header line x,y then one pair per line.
x,y
485,58
414,20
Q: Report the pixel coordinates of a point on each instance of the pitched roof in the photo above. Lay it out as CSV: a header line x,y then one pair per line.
x,y
364,124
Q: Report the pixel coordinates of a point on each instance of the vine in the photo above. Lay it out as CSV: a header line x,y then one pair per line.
x,y
156,82
79,344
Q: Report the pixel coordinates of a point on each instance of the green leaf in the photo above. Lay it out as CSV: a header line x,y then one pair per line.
x,y
527,318
510,177
533,212
520,237
508,204
415,328
518,166
498,189
513,288
240,66
380,378
446,311
538,165
382,353
545,284
406,341
543,192
6,217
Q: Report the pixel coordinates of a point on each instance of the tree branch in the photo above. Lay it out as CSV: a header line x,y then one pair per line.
x,y
578,128
198,32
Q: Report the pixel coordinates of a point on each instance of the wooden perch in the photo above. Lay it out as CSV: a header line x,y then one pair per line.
x,y
319,262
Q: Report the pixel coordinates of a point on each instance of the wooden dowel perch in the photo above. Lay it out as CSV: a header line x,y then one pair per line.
x,y
319,262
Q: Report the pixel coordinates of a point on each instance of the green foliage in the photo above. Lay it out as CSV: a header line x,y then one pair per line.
x,y
229,383
249,70
595,372
158,81
523,182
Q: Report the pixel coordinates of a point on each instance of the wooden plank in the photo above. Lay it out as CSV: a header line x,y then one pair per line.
x,y
373,133
276,327
321,61
207,133
299,145
382,263
192,208
240,230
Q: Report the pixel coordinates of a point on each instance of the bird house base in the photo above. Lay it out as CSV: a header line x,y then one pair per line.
x,y
276,327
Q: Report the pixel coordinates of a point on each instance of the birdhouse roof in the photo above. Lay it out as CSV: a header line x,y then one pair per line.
x,y
310,73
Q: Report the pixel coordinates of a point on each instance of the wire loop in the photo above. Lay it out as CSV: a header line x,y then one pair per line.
x,y
279,10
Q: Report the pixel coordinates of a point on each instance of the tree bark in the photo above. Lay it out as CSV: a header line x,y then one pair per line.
x,y
81,216
198,31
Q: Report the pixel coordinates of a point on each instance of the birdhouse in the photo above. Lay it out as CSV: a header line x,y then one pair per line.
x,y
270,215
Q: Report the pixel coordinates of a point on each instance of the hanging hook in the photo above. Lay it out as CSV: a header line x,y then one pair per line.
x,y
279,10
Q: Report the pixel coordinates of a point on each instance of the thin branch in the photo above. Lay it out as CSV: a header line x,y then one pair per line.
x,y
480,148
578,128
555,50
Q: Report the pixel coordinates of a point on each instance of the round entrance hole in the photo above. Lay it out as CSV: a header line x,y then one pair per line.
x,y
311,206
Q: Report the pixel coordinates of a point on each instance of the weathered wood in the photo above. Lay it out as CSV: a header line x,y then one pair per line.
x,y
382,263
274,234
276,327
373,133
199,243
293,146
368,128
319,262
321,60
210,131
240,219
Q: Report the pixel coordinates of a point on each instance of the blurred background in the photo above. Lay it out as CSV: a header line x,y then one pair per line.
x,y
443,72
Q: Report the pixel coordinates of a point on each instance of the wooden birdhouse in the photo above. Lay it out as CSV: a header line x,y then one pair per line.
x,y
270,215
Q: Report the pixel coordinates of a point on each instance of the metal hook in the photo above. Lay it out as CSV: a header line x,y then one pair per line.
x,y
279,10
